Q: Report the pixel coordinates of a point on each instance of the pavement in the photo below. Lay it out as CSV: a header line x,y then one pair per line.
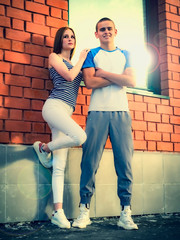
x,y
151,227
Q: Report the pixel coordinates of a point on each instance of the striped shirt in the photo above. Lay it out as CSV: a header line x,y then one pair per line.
x,y
64,90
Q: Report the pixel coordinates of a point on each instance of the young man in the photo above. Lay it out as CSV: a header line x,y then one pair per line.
x,y
108,72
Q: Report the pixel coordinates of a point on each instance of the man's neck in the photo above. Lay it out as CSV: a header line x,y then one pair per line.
x,y
108,46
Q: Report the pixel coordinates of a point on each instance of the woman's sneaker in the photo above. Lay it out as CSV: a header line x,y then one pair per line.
x,y
83,219
44,157
59,219
125,220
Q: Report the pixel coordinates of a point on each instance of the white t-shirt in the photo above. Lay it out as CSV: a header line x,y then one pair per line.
x,y
112,97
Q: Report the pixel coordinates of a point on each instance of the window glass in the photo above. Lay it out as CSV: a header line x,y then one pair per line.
x,y
128,16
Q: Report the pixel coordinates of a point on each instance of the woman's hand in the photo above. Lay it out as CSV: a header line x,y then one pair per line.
x,y
83,53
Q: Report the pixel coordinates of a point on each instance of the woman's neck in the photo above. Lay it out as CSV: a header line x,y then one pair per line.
x,y
65,55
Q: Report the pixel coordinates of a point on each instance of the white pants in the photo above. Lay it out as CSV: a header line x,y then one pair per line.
x,y
65,133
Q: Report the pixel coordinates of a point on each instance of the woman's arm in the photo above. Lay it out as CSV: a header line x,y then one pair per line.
x,y
57,62
92,81
127,78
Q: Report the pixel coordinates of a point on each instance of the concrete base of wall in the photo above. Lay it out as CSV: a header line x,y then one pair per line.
x,y
26,195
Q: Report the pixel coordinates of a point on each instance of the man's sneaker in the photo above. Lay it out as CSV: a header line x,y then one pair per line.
x,y
125,220
83,219
59,219
44,157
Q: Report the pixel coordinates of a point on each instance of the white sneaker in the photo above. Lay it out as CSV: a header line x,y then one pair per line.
x,y
59,219
44,157
125,220
83,219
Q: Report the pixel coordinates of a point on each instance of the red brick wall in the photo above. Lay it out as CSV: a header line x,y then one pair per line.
x,y
27,29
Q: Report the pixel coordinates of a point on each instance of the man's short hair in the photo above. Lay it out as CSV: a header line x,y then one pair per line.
x,y
102,20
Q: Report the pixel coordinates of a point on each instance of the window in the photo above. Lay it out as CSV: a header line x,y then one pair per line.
x,y
130,19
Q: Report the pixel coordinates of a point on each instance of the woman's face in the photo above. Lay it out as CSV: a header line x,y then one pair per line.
x,y
68,40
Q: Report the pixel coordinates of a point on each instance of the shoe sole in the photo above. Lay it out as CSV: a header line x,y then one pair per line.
x,y
60,225
36,149
82,226
120,224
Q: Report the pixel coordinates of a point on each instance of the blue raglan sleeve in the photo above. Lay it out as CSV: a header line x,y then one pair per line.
x,y
128,61
89,62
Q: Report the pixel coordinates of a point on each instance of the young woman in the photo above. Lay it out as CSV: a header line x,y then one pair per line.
x,y
57,112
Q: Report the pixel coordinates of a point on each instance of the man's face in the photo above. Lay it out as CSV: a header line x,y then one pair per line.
x,y
106,32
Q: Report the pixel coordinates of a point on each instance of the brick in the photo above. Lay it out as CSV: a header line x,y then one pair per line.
x,y
55,22
17,69
139,125
18,4
81,99
152,117
166,128
139,135
37,50
37,83
17,57
37,61
175,102
153,136
65,15
17,80
140,145
49,42
108,144
138,115
3,113
172,17
18,35
39,19
15,114
166,137
175,137
59,4
33,116
48,84
177,147
17,138
164,109
19,103
18,24
151,127
4,89
55,12
36,72
17,126
1,101
165,146
40,1
5,21
81,120
38,127
151,107
16,91
4,67
36,7
174,26
174,119
86,91
1,54
151,146
4,137
38,39
137,106
165,118
5,43
2,10
35,94
77,109
18,46
37,105
5,2
177,111
36,28
30,138
165,102
176,129
85,110
19,14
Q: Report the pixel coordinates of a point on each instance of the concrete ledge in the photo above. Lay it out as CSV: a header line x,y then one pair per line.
x,y
25,186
